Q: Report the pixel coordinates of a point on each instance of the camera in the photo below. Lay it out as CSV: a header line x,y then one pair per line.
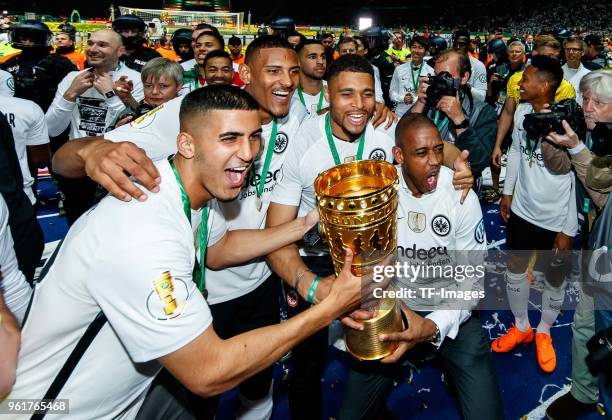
x,y
540,124
601,138
600,351
498,84
440,85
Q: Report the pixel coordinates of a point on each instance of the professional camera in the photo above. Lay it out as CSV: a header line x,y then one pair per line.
x,y
540,124
601,138
440,85
497,85
600,351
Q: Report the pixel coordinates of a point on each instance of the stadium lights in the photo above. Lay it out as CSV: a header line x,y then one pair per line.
x,y
364,23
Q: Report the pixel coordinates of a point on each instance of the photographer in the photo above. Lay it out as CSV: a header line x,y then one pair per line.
x,y
467,122
596,89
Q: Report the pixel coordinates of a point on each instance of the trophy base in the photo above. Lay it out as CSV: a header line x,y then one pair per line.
x,y
365,344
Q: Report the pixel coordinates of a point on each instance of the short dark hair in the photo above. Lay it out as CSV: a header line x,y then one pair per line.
x,y
265,42
350,62
421,40
550,69
461,32
218,37
364,41
208,27
346,40
234,41
411,120
464,60
305,42
215,97
327,35
217,54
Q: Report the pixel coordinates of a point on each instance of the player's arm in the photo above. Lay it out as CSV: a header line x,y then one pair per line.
x,y
106,163
9,347
239,246
457,160
209,366
504,124
512,170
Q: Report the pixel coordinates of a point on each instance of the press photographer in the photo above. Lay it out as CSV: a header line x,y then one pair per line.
x,y
469,123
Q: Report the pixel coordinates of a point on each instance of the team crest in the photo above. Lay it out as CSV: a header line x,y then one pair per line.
x,y
479,232
168,298
10,83
281,143
292,298
417,221
378,154
441,225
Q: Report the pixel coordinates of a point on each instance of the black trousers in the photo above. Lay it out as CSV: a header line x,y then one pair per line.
x,y
467,360
305,394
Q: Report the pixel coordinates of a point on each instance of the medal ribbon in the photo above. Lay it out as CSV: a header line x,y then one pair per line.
x,y
199,268
303,101
332,146
443,123
266,166
415,80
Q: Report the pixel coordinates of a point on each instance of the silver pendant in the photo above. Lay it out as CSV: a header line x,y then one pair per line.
x,y
258,203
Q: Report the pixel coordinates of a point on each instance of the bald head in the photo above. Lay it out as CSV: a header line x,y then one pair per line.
x,y
104,48
410,123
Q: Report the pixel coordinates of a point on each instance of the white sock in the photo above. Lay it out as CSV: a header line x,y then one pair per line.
x,y
261,409
552,299
517,289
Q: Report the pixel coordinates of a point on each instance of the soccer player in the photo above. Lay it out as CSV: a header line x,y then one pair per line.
x,y
344,134
440,231
540,210
138,301
313,65
218,68
405,82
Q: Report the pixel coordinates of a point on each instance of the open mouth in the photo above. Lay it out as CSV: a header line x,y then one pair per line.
x,y
281,95
356,119
431,182
236,175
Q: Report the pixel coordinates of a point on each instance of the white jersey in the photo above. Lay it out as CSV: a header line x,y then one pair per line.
x,y
436,229
311,102
113,260
15,290
541,198
7,84
406,80
574,76
188,65
310,155
478,79
378,92
156,134
93,113
27,121
195,84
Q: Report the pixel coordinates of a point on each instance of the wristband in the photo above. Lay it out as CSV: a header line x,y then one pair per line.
x,y
313,289
463,124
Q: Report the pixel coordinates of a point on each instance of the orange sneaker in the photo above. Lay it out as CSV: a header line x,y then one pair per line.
x,y
511,339
547,359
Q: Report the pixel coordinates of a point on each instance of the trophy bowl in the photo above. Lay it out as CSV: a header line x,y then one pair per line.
x,y
357,204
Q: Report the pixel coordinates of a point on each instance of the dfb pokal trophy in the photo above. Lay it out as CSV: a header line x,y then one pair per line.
x,y
357,204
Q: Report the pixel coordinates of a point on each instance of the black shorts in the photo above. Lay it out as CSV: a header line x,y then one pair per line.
x,y
522,235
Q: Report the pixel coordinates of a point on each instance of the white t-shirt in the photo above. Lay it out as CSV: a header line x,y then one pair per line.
x,y
188,65
93,113
378,93
310,155
574,76
15,289
403,83
113,260
430,227
156,134
311,102
478,79
7,84
541,198
27,121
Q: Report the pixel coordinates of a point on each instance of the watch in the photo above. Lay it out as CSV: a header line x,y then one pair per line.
x,y
110,94
463,124
436,337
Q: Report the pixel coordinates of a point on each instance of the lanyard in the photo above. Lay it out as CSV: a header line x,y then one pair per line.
x,y
415,80
266,166
199,269
443,123
332,146
301,95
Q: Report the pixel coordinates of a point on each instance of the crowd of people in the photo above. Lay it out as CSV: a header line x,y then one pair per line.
x,y
187,177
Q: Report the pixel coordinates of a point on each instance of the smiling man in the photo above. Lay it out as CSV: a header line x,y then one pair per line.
x,y
313,64
218,68
141,302
270,73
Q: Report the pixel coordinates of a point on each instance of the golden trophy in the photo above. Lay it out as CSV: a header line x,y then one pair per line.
x,y
357,204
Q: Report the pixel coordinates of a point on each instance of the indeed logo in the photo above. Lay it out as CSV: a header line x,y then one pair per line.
x,y
534,154
253,179
420,253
